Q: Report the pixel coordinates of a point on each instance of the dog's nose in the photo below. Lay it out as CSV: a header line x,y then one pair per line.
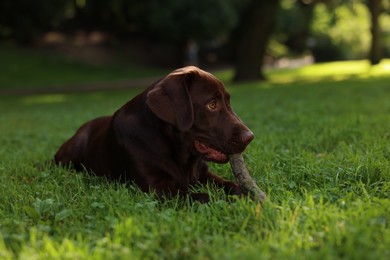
x,y
247,137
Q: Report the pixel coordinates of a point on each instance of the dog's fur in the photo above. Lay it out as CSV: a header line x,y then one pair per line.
x,y
161,139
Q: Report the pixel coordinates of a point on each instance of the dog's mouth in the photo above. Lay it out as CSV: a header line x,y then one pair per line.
x,y
209,153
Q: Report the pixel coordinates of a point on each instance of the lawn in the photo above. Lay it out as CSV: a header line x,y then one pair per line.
x,y
321,153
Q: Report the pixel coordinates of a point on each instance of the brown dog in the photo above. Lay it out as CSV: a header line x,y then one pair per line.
x,y
161,138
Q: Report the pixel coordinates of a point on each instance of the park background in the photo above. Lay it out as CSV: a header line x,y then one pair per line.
x,y
311,78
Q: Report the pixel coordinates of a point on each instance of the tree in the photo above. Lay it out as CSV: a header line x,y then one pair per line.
x,y
375,55
256,26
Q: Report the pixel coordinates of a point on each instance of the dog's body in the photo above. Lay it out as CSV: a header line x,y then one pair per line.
x,y
161,139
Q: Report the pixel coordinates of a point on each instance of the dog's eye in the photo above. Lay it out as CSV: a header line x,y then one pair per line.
x,y
212,105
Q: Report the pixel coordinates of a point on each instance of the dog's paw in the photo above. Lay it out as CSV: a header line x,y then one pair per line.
x,y
201,197
232,188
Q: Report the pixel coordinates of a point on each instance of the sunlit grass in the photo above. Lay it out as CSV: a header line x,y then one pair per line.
x,y
333,70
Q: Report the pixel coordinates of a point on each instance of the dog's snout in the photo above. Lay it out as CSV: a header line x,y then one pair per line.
x,y
247,137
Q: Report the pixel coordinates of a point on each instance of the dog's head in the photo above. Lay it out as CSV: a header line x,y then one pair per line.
x,y
196,102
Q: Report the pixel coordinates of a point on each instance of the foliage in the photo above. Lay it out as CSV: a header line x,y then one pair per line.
x,y
321,153
340,30
344,31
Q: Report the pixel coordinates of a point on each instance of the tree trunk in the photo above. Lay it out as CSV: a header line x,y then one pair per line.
x,y
376,46
296,42
257,25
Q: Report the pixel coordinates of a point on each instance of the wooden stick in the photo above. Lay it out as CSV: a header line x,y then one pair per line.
x,y
244,180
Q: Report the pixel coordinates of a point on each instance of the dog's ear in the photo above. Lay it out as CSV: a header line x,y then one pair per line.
x,y
170,100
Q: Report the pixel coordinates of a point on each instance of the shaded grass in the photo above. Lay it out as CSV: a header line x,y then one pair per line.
x,y
25,68
321,153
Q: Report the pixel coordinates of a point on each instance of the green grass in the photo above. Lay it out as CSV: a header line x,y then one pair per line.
x,y
321,153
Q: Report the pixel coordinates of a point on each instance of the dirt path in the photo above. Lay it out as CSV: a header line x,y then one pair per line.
x,y
84,87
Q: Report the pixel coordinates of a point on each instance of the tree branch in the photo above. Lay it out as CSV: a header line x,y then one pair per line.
x,y
244,180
